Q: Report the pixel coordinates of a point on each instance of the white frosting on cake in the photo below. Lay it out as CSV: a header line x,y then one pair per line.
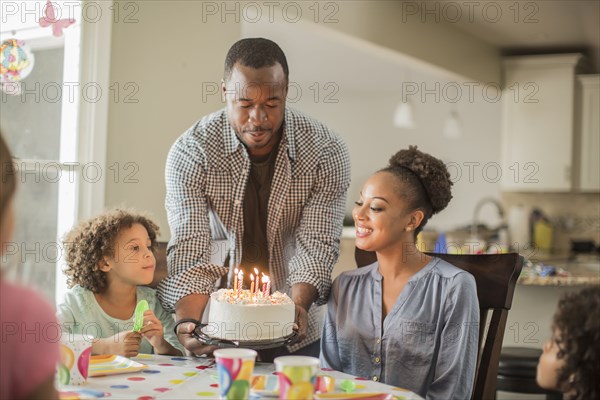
x,y
242,316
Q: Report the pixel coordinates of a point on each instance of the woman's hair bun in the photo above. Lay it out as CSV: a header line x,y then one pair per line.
x,y
432,174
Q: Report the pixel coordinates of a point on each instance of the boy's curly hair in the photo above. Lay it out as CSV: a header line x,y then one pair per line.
x,y
426,181
577,321
87,243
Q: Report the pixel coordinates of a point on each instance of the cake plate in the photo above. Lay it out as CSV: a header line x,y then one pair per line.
x,y
199,334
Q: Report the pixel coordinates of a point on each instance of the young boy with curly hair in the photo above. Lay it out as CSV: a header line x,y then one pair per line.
x,y
571,359
109,258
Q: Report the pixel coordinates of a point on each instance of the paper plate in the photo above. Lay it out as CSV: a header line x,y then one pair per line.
x,y
362,396
113,365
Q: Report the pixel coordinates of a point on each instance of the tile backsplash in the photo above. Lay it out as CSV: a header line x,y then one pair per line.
x,y
573,215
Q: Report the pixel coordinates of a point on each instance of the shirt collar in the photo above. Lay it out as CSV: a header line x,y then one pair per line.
x,y
289,127
231,141
376,275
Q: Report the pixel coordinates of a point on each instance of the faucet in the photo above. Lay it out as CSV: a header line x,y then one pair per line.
x,y
478,207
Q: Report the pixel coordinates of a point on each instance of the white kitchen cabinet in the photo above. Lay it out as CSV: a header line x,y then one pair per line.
x,y
587,144
537,123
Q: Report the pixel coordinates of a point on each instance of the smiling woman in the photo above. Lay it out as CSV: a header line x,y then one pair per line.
x,y
408,319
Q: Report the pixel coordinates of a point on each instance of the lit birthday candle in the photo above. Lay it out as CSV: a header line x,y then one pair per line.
x,y
257,285
266,286
251,285
240,283
235,282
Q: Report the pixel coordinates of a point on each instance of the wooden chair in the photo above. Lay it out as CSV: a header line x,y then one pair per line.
x,y
161,272
496,277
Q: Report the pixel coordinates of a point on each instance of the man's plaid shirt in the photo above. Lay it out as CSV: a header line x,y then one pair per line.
x,y
206,174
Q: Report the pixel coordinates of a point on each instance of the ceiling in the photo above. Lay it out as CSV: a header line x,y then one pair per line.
x,y
531,27
358,66
331,63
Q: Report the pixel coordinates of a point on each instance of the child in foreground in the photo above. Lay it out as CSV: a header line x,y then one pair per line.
x,y
570,362
28,357
109,258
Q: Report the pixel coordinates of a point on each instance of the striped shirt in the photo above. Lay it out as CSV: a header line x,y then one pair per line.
x,y
206,175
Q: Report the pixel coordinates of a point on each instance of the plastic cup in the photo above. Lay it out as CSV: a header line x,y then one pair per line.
x,y
235,367
297,376
75,351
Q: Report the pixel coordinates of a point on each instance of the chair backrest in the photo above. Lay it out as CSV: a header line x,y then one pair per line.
x,y
161,272
496,277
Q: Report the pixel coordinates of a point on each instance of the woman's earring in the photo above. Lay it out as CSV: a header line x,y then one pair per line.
x,y
408,229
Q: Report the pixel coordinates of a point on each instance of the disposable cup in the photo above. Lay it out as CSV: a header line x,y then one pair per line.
x,y
297,377
75,351
235,367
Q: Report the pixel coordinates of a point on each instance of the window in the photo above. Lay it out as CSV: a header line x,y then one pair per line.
x,y
56,131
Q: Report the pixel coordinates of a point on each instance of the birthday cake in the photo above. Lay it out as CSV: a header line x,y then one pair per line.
x,y
246,315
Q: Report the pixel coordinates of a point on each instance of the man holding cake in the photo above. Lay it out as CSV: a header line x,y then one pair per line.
x,y
270,181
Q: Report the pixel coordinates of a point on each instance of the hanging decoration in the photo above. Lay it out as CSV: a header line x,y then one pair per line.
x,y
16,63
49,18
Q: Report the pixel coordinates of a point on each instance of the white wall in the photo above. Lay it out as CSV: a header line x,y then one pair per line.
x,y
368,84
176,47
365,122
167,55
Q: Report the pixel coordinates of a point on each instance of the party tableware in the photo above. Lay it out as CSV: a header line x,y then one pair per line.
x,y
235,367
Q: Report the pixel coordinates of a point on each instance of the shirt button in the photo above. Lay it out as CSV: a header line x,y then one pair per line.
x,y
375,379
377,359
378,340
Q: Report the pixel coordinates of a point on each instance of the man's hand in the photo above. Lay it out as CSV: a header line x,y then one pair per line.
x,y
193,345
303,295
191,306
301,323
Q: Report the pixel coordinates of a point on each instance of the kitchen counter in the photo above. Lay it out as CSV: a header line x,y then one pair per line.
x,y
585,270
559,280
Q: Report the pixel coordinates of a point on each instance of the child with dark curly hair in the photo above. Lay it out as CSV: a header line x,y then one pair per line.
x,y
109,258
408,320
571,359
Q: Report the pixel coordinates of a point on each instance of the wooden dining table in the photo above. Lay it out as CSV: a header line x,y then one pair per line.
x,y
148,377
